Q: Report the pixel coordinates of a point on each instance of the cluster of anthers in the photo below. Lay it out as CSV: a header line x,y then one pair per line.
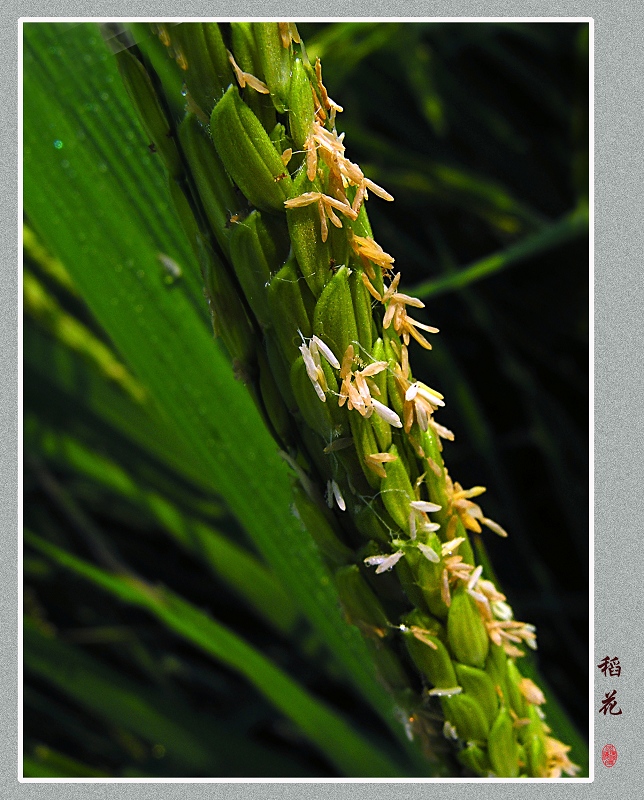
x,y
359,392
327,145
396,311
288,33
495,612
311,354
245,78
419,403
358,388
470,514
557,760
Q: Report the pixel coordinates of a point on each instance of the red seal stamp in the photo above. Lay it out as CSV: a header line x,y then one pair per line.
x,y
609,755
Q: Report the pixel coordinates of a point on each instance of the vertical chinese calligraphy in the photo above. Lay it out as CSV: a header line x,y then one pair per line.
x,y
609,703
610,666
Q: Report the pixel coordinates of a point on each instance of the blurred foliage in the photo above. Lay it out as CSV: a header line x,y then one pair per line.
x,y
169,631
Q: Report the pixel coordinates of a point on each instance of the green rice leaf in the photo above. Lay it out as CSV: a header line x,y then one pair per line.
x,y
346,748
98,201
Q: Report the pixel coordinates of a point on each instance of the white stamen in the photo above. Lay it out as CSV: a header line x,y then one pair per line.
x,y
386,413
363,388
449,731
385,562
338,496
431,396
309,362
382,457
474,577
449,547
313,370
494,526
411,392
425,505
422,326
378,190
256,84
303,200
502,610
374,369
410,301
475,491
443,432
326,352
429,552
319,390
389,315
481,598
422,416
390,562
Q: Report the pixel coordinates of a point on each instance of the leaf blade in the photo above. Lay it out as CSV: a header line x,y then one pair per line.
x,y
346,748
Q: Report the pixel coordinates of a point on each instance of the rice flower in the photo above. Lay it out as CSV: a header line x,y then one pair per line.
x,y
384,563
373,405
531,692
370,252
557,759
246,79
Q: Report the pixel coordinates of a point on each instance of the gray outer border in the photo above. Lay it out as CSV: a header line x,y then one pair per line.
x,y
619,366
